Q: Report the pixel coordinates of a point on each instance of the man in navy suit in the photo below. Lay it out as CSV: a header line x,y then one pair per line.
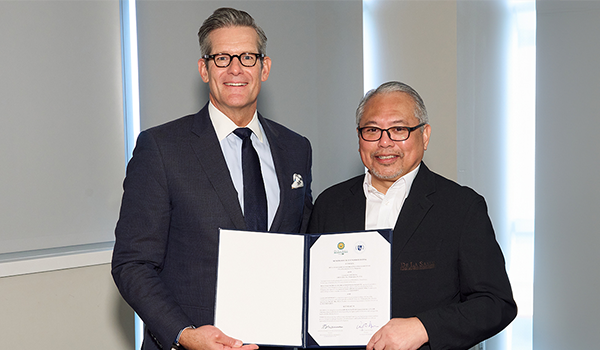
x,y
450,289
185,181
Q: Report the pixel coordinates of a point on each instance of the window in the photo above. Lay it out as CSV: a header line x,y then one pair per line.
x,y
521,167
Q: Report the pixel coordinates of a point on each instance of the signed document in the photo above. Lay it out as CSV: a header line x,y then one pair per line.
x,y
349,288
306,291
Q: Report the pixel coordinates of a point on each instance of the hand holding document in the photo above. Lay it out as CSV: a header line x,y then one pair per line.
x,y
303,290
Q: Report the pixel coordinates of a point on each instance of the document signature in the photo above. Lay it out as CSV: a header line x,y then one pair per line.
x,y
326,326
366,325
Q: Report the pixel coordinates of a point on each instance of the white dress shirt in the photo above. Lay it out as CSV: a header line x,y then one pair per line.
x,y
231,145
383,209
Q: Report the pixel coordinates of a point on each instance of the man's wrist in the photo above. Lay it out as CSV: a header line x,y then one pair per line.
x,y
176,345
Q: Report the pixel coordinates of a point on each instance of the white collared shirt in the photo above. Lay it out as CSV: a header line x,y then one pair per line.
x,y
383,209
231,145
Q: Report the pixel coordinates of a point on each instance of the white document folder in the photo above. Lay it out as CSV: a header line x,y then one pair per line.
x,y
297,290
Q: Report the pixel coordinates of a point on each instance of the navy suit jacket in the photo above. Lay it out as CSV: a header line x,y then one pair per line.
x,y
447,268
178,192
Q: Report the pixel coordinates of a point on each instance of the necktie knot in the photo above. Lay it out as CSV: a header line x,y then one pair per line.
x,y
242,133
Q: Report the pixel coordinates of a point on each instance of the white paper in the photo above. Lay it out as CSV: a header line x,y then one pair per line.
x,y
260,287
349,289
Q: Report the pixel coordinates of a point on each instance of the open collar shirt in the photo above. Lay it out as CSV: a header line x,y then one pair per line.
x,y
383,209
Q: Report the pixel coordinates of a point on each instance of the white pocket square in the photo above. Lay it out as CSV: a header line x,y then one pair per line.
x,y
297,181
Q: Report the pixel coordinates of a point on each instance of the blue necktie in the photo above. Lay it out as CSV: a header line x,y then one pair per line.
x,y
255,198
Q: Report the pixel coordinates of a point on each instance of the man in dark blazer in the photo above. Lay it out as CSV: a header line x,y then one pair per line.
x,y
450,289
184,182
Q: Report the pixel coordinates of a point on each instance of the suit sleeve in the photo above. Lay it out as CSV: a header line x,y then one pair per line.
x,y
486,303
141,242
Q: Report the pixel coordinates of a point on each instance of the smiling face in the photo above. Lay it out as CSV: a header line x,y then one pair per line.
x,y
389,160
234,89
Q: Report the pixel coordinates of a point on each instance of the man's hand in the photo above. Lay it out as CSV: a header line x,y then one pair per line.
x,y
399,334
211,338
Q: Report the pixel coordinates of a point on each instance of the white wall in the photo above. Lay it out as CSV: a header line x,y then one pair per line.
x,y
415,42
567,225
76,308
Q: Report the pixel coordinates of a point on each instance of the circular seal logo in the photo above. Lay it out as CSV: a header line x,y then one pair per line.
x,y
359,247
341,245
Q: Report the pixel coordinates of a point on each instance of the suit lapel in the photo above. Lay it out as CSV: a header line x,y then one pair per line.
x,y
209,153
354,215
414,210
278,152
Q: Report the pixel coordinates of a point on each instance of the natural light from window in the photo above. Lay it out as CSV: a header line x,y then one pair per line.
x,y
521,168
131,100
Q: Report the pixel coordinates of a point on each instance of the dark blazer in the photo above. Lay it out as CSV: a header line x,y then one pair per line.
x,y
177,194
447,268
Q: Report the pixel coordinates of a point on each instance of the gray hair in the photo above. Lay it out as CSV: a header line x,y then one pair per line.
x,y
394,86
228,17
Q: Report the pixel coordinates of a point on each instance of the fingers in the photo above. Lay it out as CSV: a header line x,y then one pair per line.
x,y
229,342
249,347
374,339
211,338
399,334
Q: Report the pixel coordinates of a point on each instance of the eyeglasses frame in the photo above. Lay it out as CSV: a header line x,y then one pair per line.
x,y
259,56
410,130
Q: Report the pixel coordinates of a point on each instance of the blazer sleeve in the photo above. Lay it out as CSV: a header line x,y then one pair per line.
x,y
141,241
486,303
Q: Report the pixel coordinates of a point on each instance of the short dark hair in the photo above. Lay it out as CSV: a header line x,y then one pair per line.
x,y
394,86
229,17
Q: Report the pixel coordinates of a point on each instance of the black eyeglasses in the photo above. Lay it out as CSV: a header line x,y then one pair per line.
x,y
223,60
395,133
